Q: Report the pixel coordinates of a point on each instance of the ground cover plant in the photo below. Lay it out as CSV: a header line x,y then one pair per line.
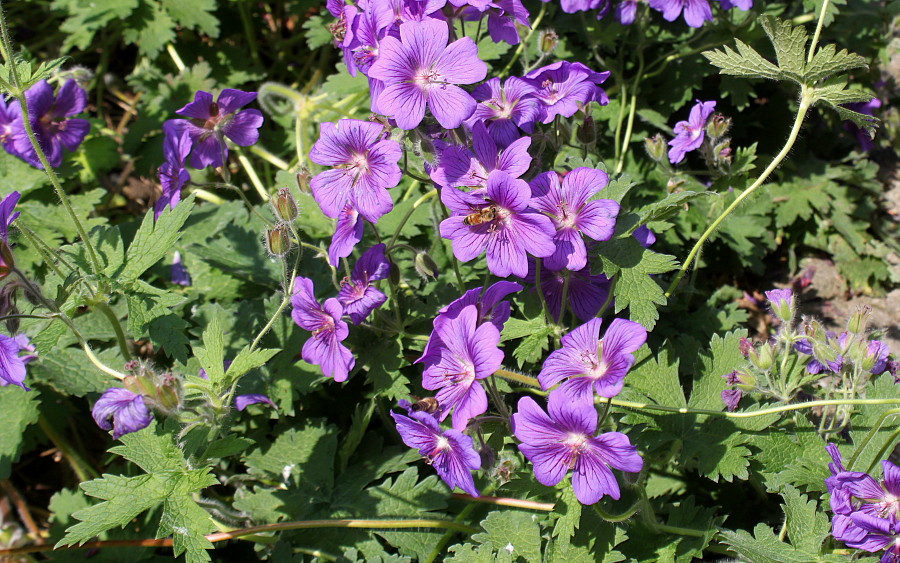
x,y
418,280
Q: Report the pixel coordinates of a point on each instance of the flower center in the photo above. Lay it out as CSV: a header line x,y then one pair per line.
x,y
426,77
441,445
575,441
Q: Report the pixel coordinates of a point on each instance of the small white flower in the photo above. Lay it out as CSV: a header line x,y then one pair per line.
x,y
509,547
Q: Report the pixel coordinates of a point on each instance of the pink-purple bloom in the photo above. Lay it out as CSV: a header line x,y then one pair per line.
x,y
695,11
468,352
364,167
500,223
179,273
241,402
503,16
172,174
458,166
210,122
10,125
348,231
127,410
586,364
563,88
506,109
12,364
50,119
7,216
573,215
585,294
357,294
689,134
862,136
323,348
420,69
450,452
565,440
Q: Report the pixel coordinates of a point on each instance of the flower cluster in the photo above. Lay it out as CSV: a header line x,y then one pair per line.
x,y
356,299
695,11
866,512
50,117
202,136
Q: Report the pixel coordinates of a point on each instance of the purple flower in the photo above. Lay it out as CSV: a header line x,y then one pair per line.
x,y
357,295
457,166
644,236
695,11
364,168
565,440
342,30
782,303
323,348
877,353
564,87
862,137
626,11
420,68
348,231
689,134
127,410
586,293
369,28
500,223
241,402
502,19
574,6
172,174
10,126
742,5
450,452
179,272
211,121
489,304
568,206
12,365
6,213
589,364
47,115
468,352
879,534
506,110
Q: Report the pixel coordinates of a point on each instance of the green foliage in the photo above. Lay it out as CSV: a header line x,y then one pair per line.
x,y
168,480
18,410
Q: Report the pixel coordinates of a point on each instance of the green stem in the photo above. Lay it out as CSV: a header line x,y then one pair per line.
x,y
875,428
44,250
819,25
254,177
278,311
453,261
267,156
540,292
521,48
617,517
117,328
409,213
82,470
620,164
29,131
806,99
463,515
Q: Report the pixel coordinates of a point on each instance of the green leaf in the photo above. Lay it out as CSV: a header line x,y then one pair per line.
x,y
317,33
18,410
196,14
569,510
634,288
532,347
668,206
513,531
828,61
149,27
69,371
790,45
87,17
304,456
807,526
169,481
168,333
406,496
762,547
146,303
154,239
834,94
362,415
744,62
212,354
247,360
517,328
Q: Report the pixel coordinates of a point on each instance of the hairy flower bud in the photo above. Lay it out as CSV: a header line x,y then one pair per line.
x,y
425,266
587,131
284,205
859,320
718,126
139,385
394,274
278,239
762,357
547,41
303,177
656,147
168,393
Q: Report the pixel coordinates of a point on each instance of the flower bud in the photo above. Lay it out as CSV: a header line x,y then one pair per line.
x,y
278,240
168,393
425,266
718,126
762,357
139,385
587,131
284,205
547,41
722,151
488,457
7,262
745,346
656,147
303,177
394,273
782,303
859,320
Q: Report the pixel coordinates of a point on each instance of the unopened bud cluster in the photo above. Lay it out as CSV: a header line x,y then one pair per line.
x,y
279,240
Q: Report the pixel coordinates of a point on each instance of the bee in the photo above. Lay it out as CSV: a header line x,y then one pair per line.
x,y
484,215
428,404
